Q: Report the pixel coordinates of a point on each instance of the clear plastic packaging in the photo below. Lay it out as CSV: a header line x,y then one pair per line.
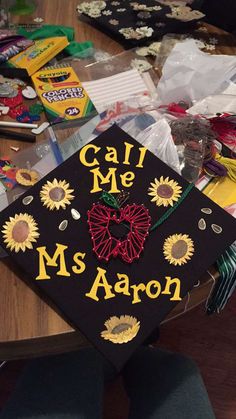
x,y
158,139
167,44
102,65
193,137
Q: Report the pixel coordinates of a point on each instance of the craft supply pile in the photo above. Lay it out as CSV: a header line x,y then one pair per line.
x,y
143,144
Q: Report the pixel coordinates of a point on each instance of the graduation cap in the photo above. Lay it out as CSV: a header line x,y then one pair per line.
x,y
115,239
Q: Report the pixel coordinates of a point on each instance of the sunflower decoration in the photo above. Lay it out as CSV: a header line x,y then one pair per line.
x,y
178,249
164,191
27,177
56,194
121,329
20,232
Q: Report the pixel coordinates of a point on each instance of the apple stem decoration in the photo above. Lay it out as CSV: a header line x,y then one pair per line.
x,y
111,201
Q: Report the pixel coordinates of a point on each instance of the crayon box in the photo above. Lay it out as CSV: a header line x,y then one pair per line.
x,y
62,94
36,56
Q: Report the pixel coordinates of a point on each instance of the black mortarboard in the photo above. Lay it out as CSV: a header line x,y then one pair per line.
x,y
115,239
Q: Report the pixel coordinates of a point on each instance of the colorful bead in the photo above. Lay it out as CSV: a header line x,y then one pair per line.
x,y
36,109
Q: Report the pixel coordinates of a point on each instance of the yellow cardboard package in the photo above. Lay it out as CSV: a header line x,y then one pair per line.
x,y
36,56
62,94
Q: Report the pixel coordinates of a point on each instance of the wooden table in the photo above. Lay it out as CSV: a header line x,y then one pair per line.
x,y
28,325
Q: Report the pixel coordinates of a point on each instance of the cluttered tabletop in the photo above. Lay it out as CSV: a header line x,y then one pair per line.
x,y
172,76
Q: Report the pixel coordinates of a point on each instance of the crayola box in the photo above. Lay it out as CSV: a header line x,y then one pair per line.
x,y
36,56
62,94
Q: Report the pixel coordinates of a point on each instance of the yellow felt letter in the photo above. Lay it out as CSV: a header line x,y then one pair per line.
x,y
100,281
81,265
83,152
137,288
128,147
176,282
154,284
52,261
143,151
111,155
122,287
104,179
127,179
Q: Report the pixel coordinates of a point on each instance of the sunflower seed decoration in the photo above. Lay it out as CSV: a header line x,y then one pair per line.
x,y
206,211
216,228
63,225
27,200
202,224
75,214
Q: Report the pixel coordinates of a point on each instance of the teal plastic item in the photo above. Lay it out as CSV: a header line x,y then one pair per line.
x,y
80,49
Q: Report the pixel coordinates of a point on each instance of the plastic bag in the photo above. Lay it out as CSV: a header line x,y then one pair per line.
x,y
158,139
211,105
167,44
190,74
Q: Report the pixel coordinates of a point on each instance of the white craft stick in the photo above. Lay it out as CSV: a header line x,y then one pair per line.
x,y
41,128
17,125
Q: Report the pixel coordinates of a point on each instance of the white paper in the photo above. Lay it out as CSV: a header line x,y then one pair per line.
x,y
190,74
119,87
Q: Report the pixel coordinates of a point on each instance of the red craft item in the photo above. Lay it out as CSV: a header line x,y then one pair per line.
x,y
225,129
175,108
134,218
12,102
14,112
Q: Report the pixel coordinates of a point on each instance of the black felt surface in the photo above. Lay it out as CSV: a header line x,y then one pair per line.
x,y
159,21
68,293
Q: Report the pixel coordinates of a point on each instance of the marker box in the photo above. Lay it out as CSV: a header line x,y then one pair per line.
x,y
39,54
